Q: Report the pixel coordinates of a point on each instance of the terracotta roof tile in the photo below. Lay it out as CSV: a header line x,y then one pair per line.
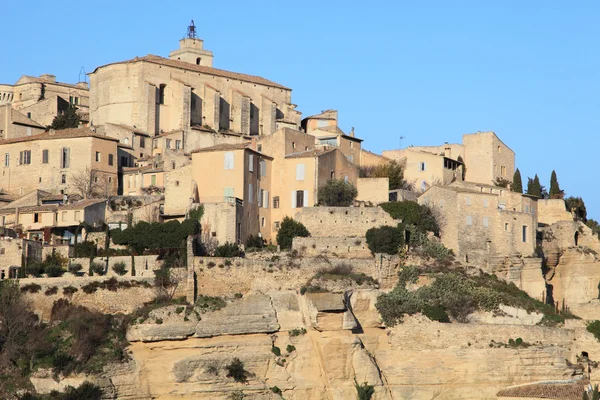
x,y
310,153
62,134
130,128
223,147
151,58
559,390
59,207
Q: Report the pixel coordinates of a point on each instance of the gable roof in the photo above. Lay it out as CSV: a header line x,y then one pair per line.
x,y
563,390
62,134
154,59
231,147
62,207
310,153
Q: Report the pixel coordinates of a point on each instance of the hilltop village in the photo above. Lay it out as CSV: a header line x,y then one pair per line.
x,y
187,233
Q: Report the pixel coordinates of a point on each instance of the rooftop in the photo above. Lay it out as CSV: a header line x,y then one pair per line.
x,y
62,134
60,207
310,153
563,390
154,59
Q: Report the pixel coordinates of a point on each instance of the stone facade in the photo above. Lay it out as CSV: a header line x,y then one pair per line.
x,y
340,247
423,169
553,210
373,190
13,124
343,221
17,252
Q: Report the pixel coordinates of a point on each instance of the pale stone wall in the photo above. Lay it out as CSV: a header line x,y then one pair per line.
x,y
145,208
374,190
15,125
553,210
340,247
425,169
219,222
144,265
343,221
487,158
180,190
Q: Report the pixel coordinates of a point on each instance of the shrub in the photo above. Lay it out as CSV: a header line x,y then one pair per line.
x,y
69,290
236,370
228,250
31,288
392,170
297,332
53,271
91,287
209,303
592,327
412,213
238,295
159,321
276,350
255,242
288,230
276,390
343,271
179,310
337,193
290,348
385,239
212,368
86,250
364,391
75,269
210,264
51,291
228,263
97,268
120,268
436,313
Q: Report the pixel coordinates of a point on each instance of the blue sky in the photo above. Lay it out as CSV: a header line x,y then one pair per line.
x,y
428,70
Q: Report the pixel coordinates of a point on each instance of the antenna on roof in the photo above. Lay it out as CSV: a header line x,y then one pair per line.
x,y
191,31
82,72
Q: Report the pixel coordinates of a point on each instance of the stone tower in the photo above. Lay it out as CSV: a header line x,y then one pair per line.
x,y
191,49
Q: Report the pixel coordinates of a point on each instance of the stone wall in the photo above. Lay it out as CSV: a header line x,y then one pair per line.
x,y
333,247
144,265
552,210
375,190
343,221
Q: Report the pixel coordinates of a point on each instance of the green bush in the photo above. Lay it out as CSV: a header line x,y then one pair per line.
x,y
31,288
255,242
85,250
54,271
297,332
90,287
337,193
238,295
236,370
412,213
276,350
385,239
51,291
364,391
290,348
210,303
392,170
228,250
75,269
592,327
343,271
143,235
87,391
288,230
276,390
97,268
120,268
436,313
69,290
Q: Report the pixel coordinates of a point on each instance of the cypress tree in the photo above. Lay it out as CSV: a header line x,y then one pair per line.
x,y
555,192
517,185
537,187
530,188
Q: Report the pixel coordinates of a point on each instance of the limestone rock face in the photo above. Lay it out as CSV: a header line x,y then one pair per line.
x,y
252,314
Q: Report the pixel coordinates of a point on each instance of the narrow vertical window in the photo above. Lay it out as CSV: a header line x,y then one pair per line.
x,y
161,93
44,156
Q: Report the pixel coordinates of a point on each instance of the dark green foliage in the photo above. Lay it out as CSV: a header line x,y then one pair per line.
x,y
290,348
501,182
456,294
51,291
255,242
392,170
594,226
87,391
337,193
68,119
534,188
297,332
276,350
228,250
517,184
385,239
364,391
75,269
54,271
69,290
464,168
593,395
413,213
120,268
145,236
343,271
85,249
288,230
594,328
422,245
238,295
236,370
31,288
555,192
210,303
98,268
576,205
276,390
196,213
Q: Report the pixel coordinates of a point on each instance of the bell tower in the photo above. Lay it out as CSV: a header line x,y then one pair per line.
x,y
191,49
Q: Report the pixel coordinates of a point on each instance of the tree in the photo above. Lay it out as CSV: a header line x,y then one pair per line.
x,y
413,213
594,226
576,206
337,193
392,170
67,119
385,239
555,192
517,185
87,184
534,188
288,230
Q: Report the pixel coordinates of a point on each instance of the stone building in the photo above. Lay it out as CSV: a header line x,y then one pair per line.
x,y
485,157
148,176
43,98
424,169
13,124
183,101
53,161
479,222
16,252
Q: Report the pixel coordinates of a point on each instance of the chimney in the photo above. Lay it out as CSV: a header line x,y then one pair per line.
x,y
48,77
352,132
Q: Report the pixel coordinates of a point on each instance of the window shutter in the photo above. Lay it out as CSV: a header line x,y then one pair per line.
x,y
306,198
250,193
259,196
266,199
20,158
293,199
251,162
229,160
299,172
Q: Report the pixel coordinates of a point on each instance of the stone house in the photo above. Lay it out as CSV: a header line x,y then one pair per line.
x,y
43,98
424,169
52,161
16,252
13,124
479,222
485,157
183,98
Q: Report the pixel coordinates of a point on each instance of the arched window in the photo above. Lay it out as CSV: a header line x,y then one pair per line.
x,y
198,61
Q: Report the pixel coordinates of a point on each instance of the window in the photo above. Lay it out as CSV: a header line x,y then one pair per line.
x,y
275,201
259,196
168,145
109,179
65,157
485,203
176,183
498,149
506,226
177,144
229,160
44,156
228,192
25,157
276,225
198,61
468,200
524,233
124,161
503,170
299,198
293,145
73,100
142,142
126,140
422,166
97,156
526,208
77,215
36,217
63,216
469,220
350,158
6,159
259,147
63,179
251,162
111,159
153,180
95,179
346,179
486,222
262,222
29,115
263,168
250,193
299,172
265,198
332,175
351,145
161,93
40,179
173,165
